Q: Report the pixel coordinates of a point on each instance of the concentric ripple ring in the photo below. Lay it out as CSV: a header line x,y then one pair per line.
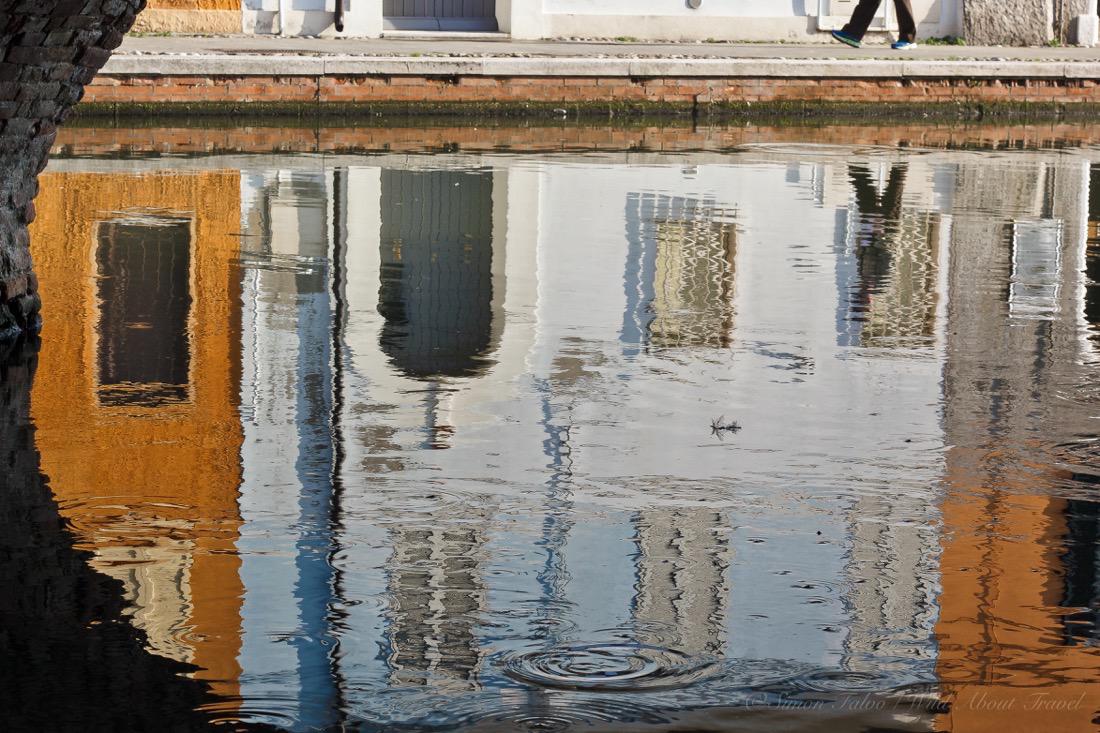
x,y
618,667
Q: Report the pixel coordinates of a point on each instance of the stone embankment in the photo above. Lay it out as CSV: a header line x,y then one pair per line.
x,y
49,50
212,82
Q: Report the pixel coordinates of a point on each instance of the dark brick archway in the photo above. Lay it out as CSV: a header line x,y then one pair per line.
x,y
49,49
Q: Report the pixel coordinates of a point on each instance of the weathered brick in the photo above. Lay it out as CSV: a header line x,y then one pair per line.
x,y
60,72
58,38
93,57
32,92
44,108
79,22
28,39
40,55
111,39
13,286
19,126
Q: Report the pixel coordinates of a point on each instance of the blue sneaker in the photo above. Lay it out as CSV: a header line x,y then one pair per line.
x,y
903,45
845,38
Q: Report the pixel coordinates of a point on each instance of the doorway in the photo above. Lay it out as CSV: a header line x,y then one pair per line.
x,y
439,15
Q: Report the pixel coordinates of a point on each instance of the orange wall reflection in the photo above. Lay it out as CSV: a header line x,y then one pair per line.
x,y
146,469
1000,617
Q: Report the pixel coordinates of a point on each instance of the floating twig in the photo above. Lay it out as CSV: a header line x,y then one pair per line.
x,y
720,427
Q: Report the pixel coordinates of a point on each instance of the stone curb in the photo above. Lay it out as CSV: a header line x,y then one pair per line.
x,y
275,65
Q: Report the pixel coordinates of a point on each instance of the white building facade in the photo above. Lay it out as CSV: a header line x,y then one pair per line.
x,y
978,22
653,20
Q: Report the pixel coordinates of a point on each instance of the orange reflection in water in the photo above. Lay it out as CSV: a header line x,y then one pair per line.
x,y
1000,616
135,400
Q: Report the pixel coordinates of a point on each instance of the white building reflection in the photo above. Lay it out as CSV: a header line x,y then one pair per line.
x,y
476,296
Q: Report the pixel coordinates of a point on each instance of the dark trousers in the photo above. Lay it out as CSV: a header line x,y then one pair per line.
x,y
865,13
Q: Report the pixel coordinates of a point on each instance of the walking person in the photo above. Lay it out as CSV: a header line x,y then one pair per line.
x,y
852,33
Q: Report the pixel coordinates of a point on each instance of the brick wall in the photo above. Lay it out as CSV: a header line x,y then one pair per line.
x,y
49,49
423,93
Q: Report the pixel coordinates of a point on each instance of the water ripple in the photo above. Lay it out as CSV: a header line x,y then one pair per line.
x,y
620,667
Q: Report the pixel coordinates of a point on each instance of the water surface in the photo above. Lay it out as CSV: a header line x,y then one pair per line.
x,y
785,433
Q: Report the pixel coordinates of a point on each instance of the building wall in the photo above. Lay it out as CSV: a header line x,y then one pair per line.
x,y
648,19
1009,22
749,20
981,22
191,16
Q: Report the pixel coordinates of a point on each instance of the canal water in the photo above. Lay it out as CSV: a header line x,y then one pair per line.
x,y
549,429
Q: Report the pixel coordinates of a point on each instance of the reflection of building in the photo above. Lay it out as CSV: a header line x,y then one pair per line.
x,y
289,485
1091,307
888,259
438,597
680,272
1013,347
373,334
436,298
891,297
136,408
683,557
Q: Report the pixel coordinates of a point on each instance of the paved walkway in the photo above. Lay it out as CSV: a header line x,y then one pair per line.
x,y
487,46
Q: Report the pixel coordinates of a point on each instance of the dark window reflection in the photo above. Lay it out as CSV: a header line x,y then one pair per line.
x,y
1092,257
436,275
144,297
1082,572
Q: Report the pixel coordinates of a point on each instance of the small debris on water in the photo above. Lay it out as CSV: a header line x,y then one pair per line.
x,y
720,427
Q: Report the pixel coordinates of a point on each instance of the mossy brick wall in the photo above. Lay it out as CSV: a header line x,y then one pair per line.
x,y
49,50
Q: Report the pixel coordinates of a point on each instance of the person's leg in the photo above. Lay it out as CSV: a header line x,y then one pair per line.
x,y
862,17
907,24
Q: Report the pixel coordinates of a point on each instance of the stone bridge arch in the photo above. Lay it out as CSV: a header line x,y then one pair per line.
x,y
49,49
